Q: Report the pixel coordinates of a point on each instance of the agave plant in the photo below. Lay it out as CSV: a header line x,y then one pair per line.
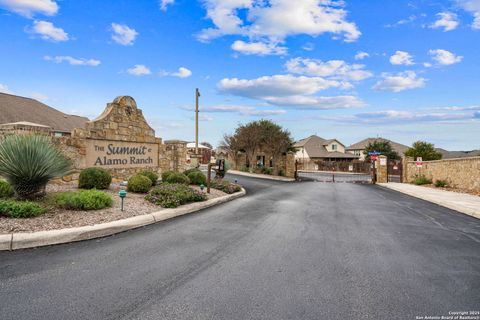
x,y
28,162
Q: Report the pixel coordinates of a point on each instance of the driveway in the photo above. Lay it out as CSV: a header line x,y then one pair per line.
x,y
306,250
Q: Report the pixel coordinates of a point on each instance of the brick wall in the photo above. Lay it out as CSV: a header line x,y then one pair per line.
x,y
463,173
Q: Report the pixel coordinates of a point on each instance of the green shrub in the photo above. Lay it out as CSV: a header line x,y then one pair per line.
x,y
188,171
177,177
166,174
20,209
94,178
28,162
266,170
225,186
197,177
172,195
281,173
139,184
244,168
422,180
83,200
441,183
6,190
150,175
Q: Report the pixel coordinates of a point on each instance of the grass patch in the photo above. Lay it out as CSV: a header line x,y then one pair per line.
x,y
441,183
422,180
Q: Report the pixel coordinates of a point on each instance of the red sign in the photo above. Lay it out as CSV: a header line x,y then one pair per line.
x,y
373,157
419,162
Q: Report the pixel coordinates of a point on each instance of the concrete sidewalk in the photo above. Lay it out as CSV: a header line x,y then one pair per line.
x,y
461,202
260,176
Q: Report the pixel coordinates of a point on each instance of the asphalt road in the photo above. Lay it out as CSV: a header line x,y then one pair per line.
x,y
306,250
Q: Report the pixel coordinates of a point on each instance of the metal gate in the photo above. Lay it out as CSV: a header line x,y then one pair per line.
x,y
394,171
335,171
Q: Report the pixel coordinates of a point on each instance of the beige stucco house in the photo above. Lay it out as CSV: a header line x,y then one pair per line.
x,y
358,148
315,148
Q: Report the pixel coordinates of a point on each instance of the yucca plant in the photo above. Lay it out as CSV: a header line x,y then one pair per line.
x,y
28,162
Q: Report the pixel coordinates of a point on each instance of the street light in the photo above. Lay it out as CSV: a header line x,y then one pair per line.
x,y
122,194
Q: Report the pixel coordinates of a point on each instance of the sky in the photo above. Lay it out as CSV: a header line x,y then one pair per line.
x,y
403,70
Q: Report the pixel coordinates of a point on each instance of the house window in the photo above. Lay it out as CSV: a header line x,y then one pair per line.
x,y
356,152
334,147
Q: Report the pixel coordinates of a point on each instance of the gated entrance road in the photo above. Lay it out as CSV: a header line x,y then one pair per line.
x,y
305,250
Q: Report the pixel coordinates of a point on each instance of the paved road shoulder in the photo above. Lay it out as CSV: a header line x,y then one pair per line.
x,y
461,202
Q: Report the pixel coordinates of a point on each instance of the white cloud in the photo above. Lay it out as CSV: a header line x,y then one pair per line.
x,y
427,64
410,19
444,57
472,6
275,86
273,21
335,69
289,90
165,3
315,102
182,73
28,8
361,55
4,89
399,82
395,116
48,31
243,110
446,20
402,58
308,46
39,96
73,61
258,48
139,70
123,35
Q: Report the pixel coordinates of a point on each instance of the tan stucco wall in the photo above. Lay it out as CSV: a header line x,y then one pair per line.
x,y
340,147
463,173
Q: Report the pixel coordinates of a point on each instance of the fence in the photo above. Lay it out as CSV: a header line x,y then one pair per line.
x,y
462,173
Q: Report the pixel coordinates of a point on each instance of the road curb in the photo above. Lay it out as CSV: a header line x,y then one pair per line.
x,y
453,206
24,240
260,176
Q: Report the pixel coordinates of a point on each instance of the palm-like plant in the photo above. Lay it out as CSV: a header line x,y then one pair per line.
x,y
28,162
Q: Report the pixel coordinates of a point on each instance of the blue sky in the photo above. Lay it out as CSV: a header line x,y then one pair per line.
x,y
404,70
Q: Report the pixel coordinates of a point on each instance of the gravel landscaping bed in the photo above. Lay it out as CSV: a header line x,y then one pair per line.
x,y
55,218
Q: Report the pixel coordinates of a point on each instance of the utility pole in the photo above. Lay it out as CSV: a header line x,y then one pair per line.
x,y
197,95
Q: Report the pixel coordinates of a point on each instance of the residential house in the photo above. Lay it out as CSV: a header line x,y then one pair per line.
x,y
204,152
25,115
315,148
358,148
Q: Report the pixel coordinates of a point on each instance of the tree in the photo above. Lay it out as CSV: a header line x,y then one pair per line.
x,y
255,136
275,140
383,147
425,150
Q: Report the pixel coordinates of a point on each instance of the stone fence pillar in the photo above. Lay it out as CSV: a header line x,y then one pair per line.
x,y
381,167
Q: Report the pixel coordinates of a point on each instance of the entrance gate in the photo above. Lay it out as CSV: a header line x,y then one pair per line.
x,y
394,171
335,171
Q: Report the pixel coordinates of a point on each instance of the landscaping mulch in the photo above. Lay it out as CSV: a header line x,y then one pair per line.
x,y
56,218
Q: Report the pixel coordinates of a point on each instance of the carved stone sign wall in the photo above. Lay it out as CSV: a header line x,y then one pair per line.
x,y
110,154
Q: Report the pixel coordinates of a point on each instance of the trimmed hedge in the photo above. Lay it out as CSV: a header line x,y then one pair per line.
x,y
6,190
83,200
197,177
166,174
177,177
150,175
94,178
422,180
20,209
139,184
172,195
225,186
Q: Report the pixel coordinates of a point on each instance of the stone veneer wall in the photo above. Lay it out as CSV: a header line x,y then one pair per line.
x,y
463,173
286,163
121,121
